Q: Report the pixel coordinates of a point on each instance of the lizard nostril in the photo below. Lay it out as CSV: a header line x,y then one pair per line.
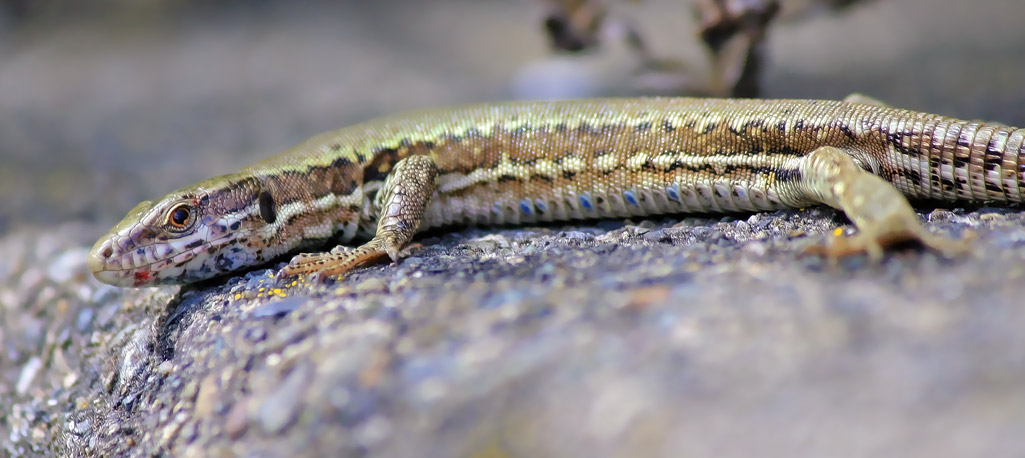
x,y
99,255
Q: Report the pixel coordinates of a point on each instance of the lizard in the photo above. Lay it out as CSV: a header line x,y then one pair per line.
x,y
380,182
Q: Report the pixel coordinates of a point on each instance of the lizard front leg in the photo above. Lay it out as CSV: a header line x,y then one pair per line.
x,y
881,213
401,204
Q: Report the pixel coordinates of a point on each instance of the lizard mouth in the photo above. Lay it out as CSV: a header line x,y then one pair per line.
x,y
117,266
121,266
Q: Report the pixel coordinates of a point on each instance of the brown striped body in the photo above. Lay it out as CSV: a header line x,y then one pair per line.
x,y
537,160
528,162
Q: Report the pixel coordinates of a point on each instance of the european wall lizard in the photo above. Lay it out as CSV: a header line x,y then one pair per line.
x,y
529,162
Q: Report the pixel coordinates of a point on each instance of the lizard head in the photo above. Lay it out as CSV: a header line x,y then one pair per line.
x,y
192,234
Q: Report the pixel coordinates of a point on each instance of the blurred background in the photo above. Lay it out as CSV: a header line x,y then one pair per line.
x,y
106,103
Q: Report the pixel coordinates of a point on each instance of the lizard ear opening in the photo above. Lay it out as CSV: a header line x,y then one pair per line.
x,y
267,207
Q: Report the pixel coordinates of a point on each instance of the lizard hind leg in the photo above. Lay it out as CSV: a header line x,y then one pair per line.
x,y
858,97
882,215
401,205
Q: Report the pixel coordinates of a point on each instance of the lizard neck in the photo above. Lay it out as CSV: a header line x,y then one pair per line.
x,y
307,202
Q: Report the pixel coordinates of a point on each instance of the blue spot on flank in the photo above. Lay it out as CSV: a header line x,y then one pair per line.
x,y
674,192
586,202
525,206
541,205
629,195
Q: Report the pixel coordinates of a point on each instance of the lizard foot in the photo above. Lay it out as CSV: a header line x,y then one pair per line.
x,y
884,218
876,244
338,261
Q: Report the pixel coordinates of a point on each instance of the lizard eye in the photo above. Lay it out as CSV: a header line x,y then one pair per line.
x,y
179,218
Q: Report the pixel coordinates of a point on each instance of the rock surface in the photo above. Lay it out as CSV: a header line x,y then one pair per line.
x,y
656,339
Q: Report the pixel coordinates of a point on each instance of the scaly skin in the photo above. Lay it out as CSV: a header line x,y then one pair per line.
x,y
529,162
